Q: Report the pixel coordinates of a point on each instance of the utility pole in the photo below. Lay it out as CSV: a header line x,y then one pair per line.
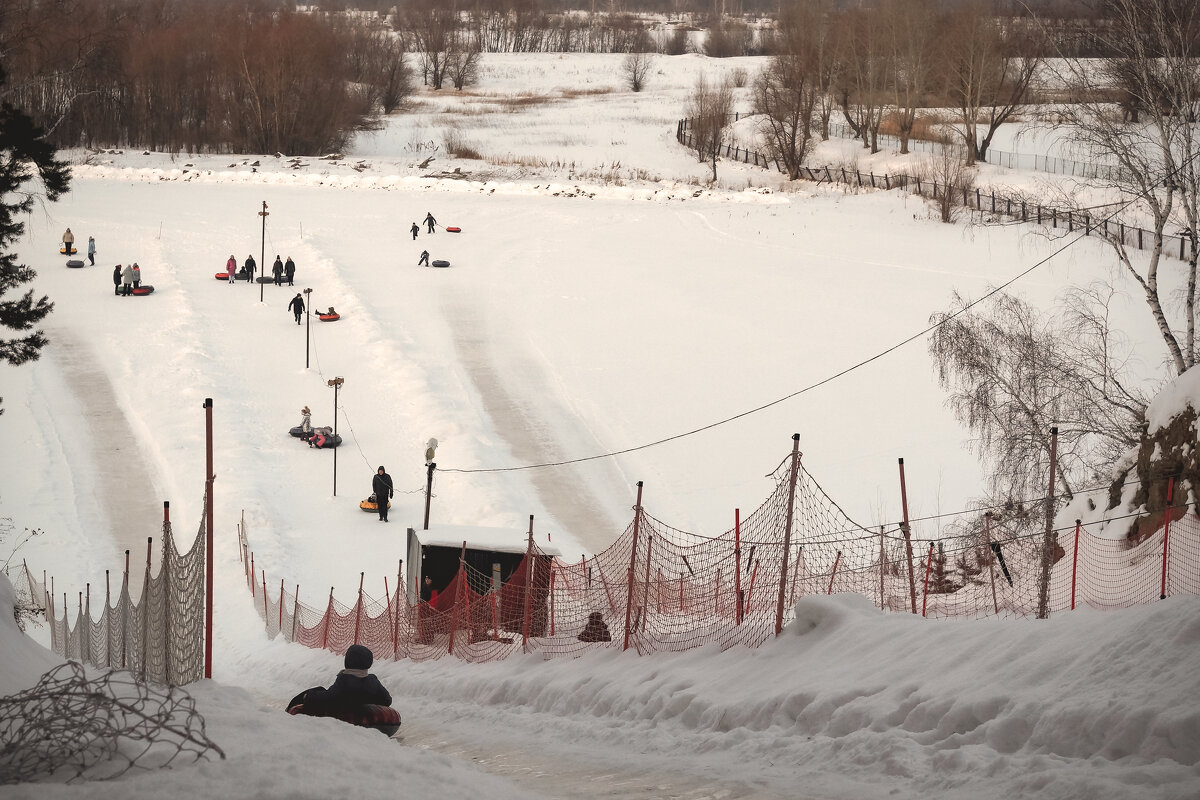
x,y
308,325
336,383
262,252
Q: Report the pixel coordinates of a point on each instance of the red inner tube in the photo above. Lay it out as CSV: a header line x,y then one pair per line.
x,y
329,317
453,229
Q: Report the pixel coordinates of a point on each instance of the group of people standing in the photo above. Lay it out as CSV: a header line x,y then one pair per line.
x,y
68,240
126,279
280,270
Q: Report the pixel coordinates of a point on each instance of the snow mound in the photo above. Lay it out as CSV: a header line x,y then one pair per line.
x,y
818,615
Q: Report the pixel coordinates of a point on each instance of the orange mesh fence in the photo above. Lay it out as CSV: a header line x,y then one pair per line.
x,y
160,636
658,588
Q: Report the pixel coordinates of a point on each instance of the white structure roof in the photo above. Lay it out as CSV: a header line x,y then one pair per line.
x,y
497,540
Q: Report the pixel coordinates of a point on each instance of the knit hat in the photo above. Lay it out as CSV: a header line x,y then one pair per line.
x,y
305,410
358,657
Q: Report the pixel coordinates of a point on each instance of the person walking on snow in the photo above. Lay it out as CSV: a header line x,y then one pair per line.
x,y
297,307
277,270
250,267
381,485
92,250
231,268
289,269
415,230
137,275
430,221
117,280
424,258
127,281
68,241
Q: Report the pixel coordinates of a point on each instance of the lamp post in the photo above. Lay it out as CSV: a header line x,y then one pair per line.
x,y
336,383
262,252
308,328
430,466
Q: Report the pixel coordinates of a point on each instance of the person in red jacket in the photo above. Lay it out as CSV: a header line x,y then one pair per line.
x,y
231,268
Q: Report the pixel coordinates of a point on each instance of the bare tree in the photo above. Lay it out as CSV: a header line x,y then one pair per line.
x,y
911,31
1012,373
462,59
431,27
709,109
634,69
985,74
787,90
1154,163
867,70
946,168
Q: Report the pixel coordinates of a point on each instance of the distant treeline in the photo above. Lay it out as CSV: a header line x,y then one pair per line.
x,y
178,75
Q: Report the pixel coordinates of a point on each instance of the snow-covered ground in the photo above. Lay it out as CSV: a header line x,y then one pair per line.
x,y
600,298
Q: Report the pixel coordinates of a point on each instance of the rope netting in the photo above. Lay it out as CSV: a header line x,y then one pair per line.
x,y
159,637
658,588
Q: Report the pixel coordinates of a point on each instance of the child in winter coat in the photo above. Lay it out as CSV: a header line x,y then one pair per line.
x,y
137,275
117,280
231,268
354,687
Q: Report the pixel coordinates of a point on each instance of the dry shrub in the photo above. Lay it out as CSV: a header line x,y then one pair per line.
x,y
458,147
925,127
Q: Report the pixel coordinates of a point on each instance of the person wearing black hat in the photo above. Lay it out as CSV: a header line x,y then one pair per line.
x,y
353,687
381,485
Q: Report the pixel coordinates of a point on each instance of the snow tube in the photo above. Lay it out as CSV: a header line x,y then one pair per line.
x,y
453,229
63,250
440,263
74,263
324,440
143,290
370,504
267,279
298,432
329,317
222,276
384,719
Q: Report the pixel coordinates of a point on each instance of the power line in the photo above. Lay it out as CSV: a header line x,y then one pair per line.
x,y
920,334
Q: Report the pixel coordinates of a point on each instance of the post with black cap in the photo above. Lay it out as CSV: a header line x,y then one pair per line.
x,y
262,252
787,532
336,383
307,323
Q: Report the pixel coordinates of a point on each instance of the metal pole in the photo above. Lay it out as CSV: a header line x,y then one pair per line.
x,y
336,383
912,580
987,528
637,517
428,491
787,533
1162,595
528,588
737,572
1049,540
208,536
262,253
307,324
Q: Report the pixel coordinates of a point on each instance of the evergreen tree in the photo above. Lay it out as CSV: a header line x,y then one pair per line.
x,y
26,160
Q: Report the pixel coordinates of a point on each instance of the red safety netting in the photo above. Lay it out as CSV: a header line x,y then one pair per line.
x,y
658,588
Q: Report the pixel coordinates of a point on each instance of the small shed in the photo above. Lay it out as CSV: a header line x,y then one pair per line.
x,y
497,552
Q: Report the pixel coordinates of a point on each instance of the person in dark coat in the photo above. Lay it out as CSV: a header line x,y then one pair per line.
x,y
424,258
595,630
297,307
415,230
117,280
430,221
354,687
381,485
289,269
250,266
277,271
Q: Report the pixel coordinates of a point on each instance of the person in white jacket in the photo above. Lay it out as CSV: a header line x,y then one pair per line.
x,y
127,281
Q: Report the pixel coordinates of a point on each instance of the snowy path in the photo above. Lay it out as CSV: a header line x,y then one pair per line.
x,y
616,776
